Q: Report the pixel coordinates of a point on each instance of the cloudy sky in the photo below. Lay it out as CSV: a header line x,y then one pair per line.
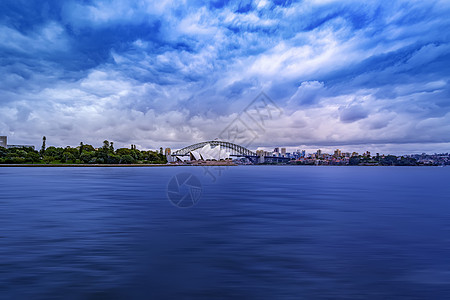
x,y
350,74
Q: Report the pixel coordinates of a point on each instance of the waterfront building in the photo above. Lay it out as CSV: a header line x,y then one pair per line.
x,y
3,141
319,153
337,153
207,153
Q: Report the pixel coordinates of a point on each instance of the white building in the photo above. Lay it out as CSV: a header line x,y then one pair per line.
x,y
206,153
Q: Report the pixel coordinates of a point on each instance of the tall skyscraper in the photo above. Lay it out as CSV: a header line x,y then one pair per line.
x,y
283,151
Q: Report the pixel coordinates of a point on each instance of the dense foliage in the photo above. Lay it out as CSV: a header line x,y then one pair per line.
x,y
389,160
362,160
83,154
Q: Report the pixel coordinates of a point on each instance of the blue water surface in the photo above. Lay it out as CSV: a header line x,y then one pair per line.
x,y
256,232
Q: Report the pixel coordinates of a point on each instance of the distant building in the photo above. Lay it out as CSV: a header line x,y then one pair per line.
x,y
276,150
337,153
261,156
4,144
20,146
283,151
263,153
167,153
319,153
260,152
3,141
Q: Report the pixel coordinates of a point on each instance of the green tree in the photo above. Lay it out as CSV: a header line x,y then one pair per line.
x,y
68,157
105,146
127,159
48,159
124,151
51,151
89,148
354,161
87,156
113,159
43,145
389,160
3,152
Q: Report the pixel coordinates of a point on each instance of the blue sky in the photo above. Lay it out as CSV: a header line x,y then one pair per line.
x,y
350,74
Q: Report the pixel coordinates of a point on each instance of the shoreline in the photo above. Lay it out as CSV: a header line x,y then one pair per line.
x,y
81,165
173,165
111,165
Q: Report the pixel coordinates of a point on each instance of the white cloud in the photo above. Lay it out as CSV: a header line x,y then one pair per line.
x,y
48,38
374,78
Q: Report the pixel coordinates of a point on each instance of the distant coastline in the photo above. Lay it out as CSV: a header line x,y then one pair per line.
x,y
86,155
83,165
184,165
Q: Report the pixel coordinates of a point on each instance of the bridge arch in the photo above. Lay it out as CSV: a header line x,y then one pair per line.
x,y
235,150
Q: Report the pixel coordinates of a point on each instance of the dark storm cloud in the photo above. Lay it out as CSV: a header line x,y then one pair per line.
x,y
353,113
172,72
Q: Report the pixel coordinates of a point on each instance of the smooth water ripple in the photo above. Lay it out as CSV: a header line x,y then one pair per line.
x,y
257,232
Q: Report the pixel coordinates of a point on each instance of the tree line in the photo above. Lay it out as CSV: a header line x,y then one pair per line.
x,y
83,154
362,160
389,160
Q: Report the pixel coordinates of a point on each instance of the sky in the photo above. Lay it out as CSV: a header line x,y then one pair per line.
x,y
354,75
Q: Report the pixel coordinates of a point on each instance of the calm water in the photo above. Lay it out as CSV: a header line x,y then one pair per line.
x,y
257,232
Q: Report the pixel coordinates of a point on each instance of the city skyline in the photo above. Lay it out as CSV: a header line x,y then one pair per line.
x,y
307,148
207,153
348,75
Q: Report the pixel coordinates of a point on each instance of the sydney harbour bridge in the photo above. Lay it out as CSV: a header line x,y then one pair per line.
x,y
218,150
